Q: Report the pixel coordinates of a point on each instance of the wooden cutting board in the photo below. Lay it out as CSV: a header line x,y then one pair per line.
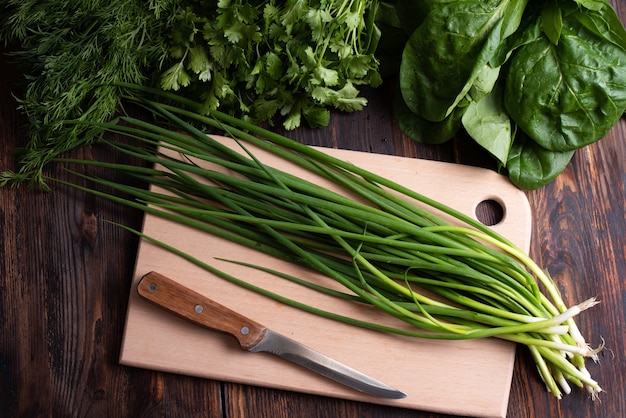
x,y
469,378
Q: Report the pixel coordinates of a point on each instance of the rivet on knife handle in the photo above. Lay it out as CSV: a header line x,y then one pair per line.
x,y
253,336
199,309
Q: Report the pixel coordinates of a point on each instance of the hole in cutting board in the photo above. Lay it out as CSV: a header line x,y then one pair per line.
x,y
490,212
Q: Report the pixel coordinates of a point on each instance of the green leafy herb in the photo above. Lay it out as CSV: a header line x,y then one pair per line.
x,y
552,22
295,59
265,60
72,54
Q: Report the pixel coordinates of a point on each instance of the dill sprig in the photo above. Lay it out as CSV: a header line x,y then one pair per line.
x,y
72,54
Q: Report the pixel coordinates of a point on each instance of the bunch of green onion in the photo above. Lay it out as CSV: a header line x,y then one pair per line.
x,y
384,247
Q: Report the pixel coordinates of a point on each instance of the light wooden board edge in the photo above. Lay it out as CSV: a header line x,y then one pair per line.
x,y
462,378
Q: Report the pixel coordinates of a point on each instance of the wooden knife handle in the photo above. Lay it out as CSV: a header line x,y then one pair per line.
x,y
199,309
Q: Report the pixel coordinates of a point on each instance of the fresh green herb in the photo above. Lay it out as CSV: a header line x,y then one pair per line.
x,y
297,58
384,247
530,81
261,59
72,54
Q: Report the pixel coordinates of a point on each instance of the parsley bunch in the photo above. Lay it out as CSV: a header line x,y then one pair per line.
x,y
261,59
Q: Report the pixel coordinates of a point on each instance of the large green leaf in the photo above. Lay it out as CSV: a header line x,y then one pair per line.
x,y
530,166
449,49
422,130
489,125
568,95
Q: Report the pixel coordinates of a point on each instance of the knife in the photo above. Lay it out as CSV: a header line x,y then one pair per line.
x,y
252,336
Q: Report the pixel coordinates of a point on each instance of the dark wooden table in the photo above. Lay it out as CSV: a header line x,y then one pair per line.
x,y
64,287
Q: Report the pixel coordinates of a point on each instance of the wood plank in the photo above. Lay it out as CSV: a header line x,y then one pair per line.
x,y
157,340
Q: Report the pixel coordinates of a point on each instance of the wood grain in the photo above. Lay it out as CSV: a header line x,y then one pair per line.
x,y
63,297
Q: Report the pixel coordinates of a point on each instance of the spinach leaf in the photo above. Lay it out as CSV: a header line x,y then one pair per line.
x,y
606,25
485,80
528,32
592,4
530,166
568,95
449,49
421,129
489,125
392,40
552,21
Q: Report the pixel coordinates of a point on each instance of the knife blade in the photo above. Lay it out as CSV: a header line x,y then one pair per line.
x,y
251,335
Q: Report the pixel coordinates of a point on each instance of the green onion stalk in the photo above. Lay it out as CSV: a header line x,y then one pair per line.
x,y
387,246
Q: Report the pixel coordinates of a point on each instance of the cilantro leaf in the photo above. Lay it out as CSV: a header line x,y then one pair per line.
x,y
199,63
291,60
325,76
